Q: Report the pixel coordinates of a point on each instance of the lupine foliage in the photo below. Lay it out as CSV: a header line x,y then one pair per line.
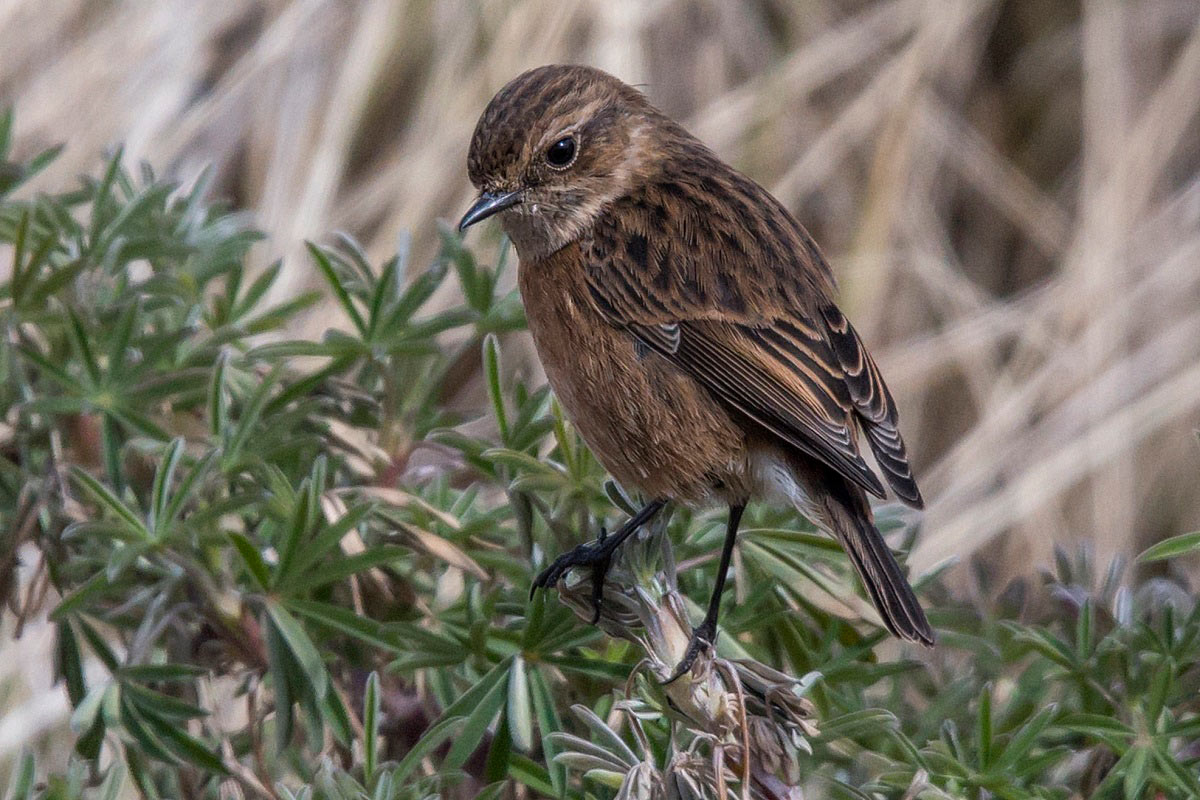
x,y
302,573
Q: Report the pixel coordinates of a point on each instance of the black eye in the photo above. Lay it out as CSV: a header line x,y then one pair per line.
x,y
561,153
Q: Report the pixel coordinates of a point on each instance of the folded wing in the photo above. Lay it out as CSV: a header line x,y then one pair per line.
x,y
782,356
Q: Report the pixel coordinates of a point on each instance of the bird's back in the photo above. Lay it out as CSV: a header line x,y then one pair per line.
x,y
703,266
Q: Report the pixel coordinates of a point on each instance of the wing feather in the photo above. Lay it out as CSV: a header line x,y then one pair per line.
x,y
733,364
874,404
770,345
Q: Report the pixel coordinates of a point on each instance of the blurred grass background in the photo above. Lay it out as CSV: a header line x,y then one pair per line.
x,y
1009,192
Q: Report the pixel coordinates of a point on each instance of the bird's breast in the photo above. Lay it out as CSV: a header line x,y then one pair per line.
x,y
652,426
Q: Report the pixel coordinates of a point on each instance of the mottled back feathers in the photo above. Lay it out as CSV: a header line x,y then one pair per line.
x,y
746,310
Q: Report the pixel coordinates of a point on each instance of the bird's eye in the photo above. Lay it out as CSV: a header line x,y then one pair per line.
x,y
561,153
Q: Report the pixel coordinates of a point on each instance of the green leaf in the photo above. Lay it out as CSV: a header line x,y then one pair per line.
x,y
157,704
607,738
80,596
1160,685
1173,547
1184,778
85,714
335,283
218,406
520,709
370,727
23,785
169,673
1025,738
429,741
301,648
6,126
984,725
346,621
110,440
549,723
17,274
67,662
1105,728
299,524
52,370
187,747
328,538
523,462
183,492
853,723
415,296
257,290
491,372
385,289
528,772
1187,728
251,413
141,775
280,662
1043,642
253,560
499,751
114,781
57,280
480,717
163,477
336,717
105,498
592,667
99,645
346,566
88,743
1135,772
122,334
79,340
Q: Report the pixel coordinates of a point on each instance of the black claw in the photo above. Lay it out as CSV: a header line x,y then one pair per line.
x,y
702,637
597,555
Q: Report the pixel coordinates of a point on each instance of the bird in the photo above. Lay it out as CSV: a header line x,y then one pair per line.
x,y
686,322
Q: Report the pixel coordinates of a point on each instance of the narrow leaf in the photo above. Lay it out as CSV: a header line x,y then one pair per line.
x,y
301,647
335,283
105,498
370,726
476,725
1172,548
520,709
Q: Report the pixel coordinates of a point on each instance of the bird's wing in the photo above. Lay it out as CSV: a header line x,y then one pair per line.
x,y
771,361
873,403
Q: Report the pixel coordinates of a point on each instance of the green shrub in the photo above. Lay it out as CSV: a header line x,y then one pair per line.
x,y
303,574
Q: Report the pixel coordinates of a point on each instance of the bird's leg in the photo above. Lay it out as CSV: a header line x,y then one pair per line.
x,y
706,633
597,555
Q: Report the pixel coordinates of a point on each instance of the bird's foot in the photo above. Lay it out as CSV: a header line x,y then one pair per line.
x,y
703,637
597,555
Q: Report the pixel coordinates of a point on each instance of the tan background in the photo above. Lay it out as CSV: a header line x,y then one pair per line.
x,y
1008,191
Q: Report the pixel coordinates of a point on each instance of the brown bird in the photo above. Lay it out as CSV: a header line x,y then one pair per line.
x,y
686,322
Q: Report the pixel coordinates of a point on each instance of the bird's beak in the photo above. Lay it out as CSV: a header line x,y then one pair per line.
x,y
489,203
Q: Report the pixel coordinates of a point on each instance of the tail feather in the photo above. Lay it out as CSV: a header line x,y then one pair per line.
x,y
877,568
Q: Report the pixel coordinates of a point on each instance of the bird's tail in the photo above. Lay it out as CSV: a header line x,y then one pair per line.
x,y
851,523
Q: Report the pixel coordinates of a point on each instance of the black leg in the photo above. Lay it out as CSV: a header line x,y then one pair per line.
x,y
706,634
597,555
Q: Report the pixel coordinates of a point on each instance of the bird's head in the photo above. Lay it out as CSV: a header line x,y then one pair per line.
x,y
551,148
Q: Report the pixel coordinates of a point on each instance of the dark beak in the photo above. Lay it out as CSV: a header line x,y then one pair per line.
x,y
488,203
